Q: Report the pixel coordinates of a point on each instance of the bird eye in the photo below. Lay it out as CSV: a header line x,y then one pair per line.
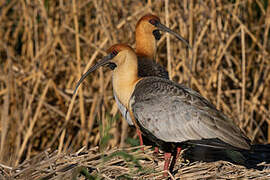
x,y
153,21
112,66
114,52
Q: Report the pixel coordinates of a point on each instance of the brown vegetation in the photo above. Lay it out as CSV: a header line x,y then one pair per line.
x,y
45,46
130,163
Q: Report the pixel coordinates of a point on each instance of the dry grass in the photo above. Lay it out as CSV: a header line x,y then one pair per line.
x,y
45,46
128,163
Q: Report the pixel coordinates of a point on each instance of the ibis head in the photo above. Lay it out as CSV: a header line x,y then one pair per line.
x,y
122,59
148,32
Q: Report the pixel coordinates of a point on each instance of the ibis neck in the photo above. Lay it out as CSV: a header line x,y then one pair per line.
x,y
145,44
125,78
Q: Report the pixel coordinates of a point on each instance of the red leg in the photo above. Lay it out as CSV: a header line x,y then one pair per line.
x,y
155,153
156,150
140,137
178,151
175,157
167,157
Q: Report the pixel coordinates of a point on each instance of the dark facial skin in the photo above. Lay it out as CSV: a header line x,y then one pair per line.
x,y
155,22
157,34
112,66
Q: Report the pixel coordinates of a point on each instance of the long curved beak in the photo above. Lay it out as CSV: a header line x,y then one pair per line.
x,y
166,29
103,62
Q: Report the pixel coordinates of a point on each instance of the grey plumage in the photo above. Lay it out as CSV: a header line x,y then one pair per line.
x,y
146,67
173,113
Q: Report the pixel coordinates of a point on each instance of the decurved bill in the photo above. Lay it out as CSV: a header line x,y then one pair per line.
x,y
103,62
166,29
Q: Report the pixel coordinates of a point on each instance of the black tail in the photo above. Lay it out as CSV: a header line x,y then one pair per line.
x,y
249,159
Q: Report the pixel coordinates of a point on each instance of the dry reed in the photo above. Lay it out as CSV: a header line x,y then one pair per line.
x,y
128,163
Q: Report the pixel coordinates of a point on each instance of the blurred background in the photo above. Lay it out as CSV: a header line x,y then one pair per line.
x,y
46,45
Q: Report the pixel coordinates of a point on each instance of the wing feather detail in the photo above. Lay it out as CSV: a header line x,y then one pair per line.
x,y
174,113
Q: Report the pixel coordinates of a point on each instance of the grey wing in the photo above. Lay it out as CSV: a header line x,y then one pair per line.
x,y
123,110
175,113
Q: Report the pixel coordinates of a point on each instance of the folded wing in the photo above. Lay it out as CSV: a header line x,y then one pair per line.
x,y
175,113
